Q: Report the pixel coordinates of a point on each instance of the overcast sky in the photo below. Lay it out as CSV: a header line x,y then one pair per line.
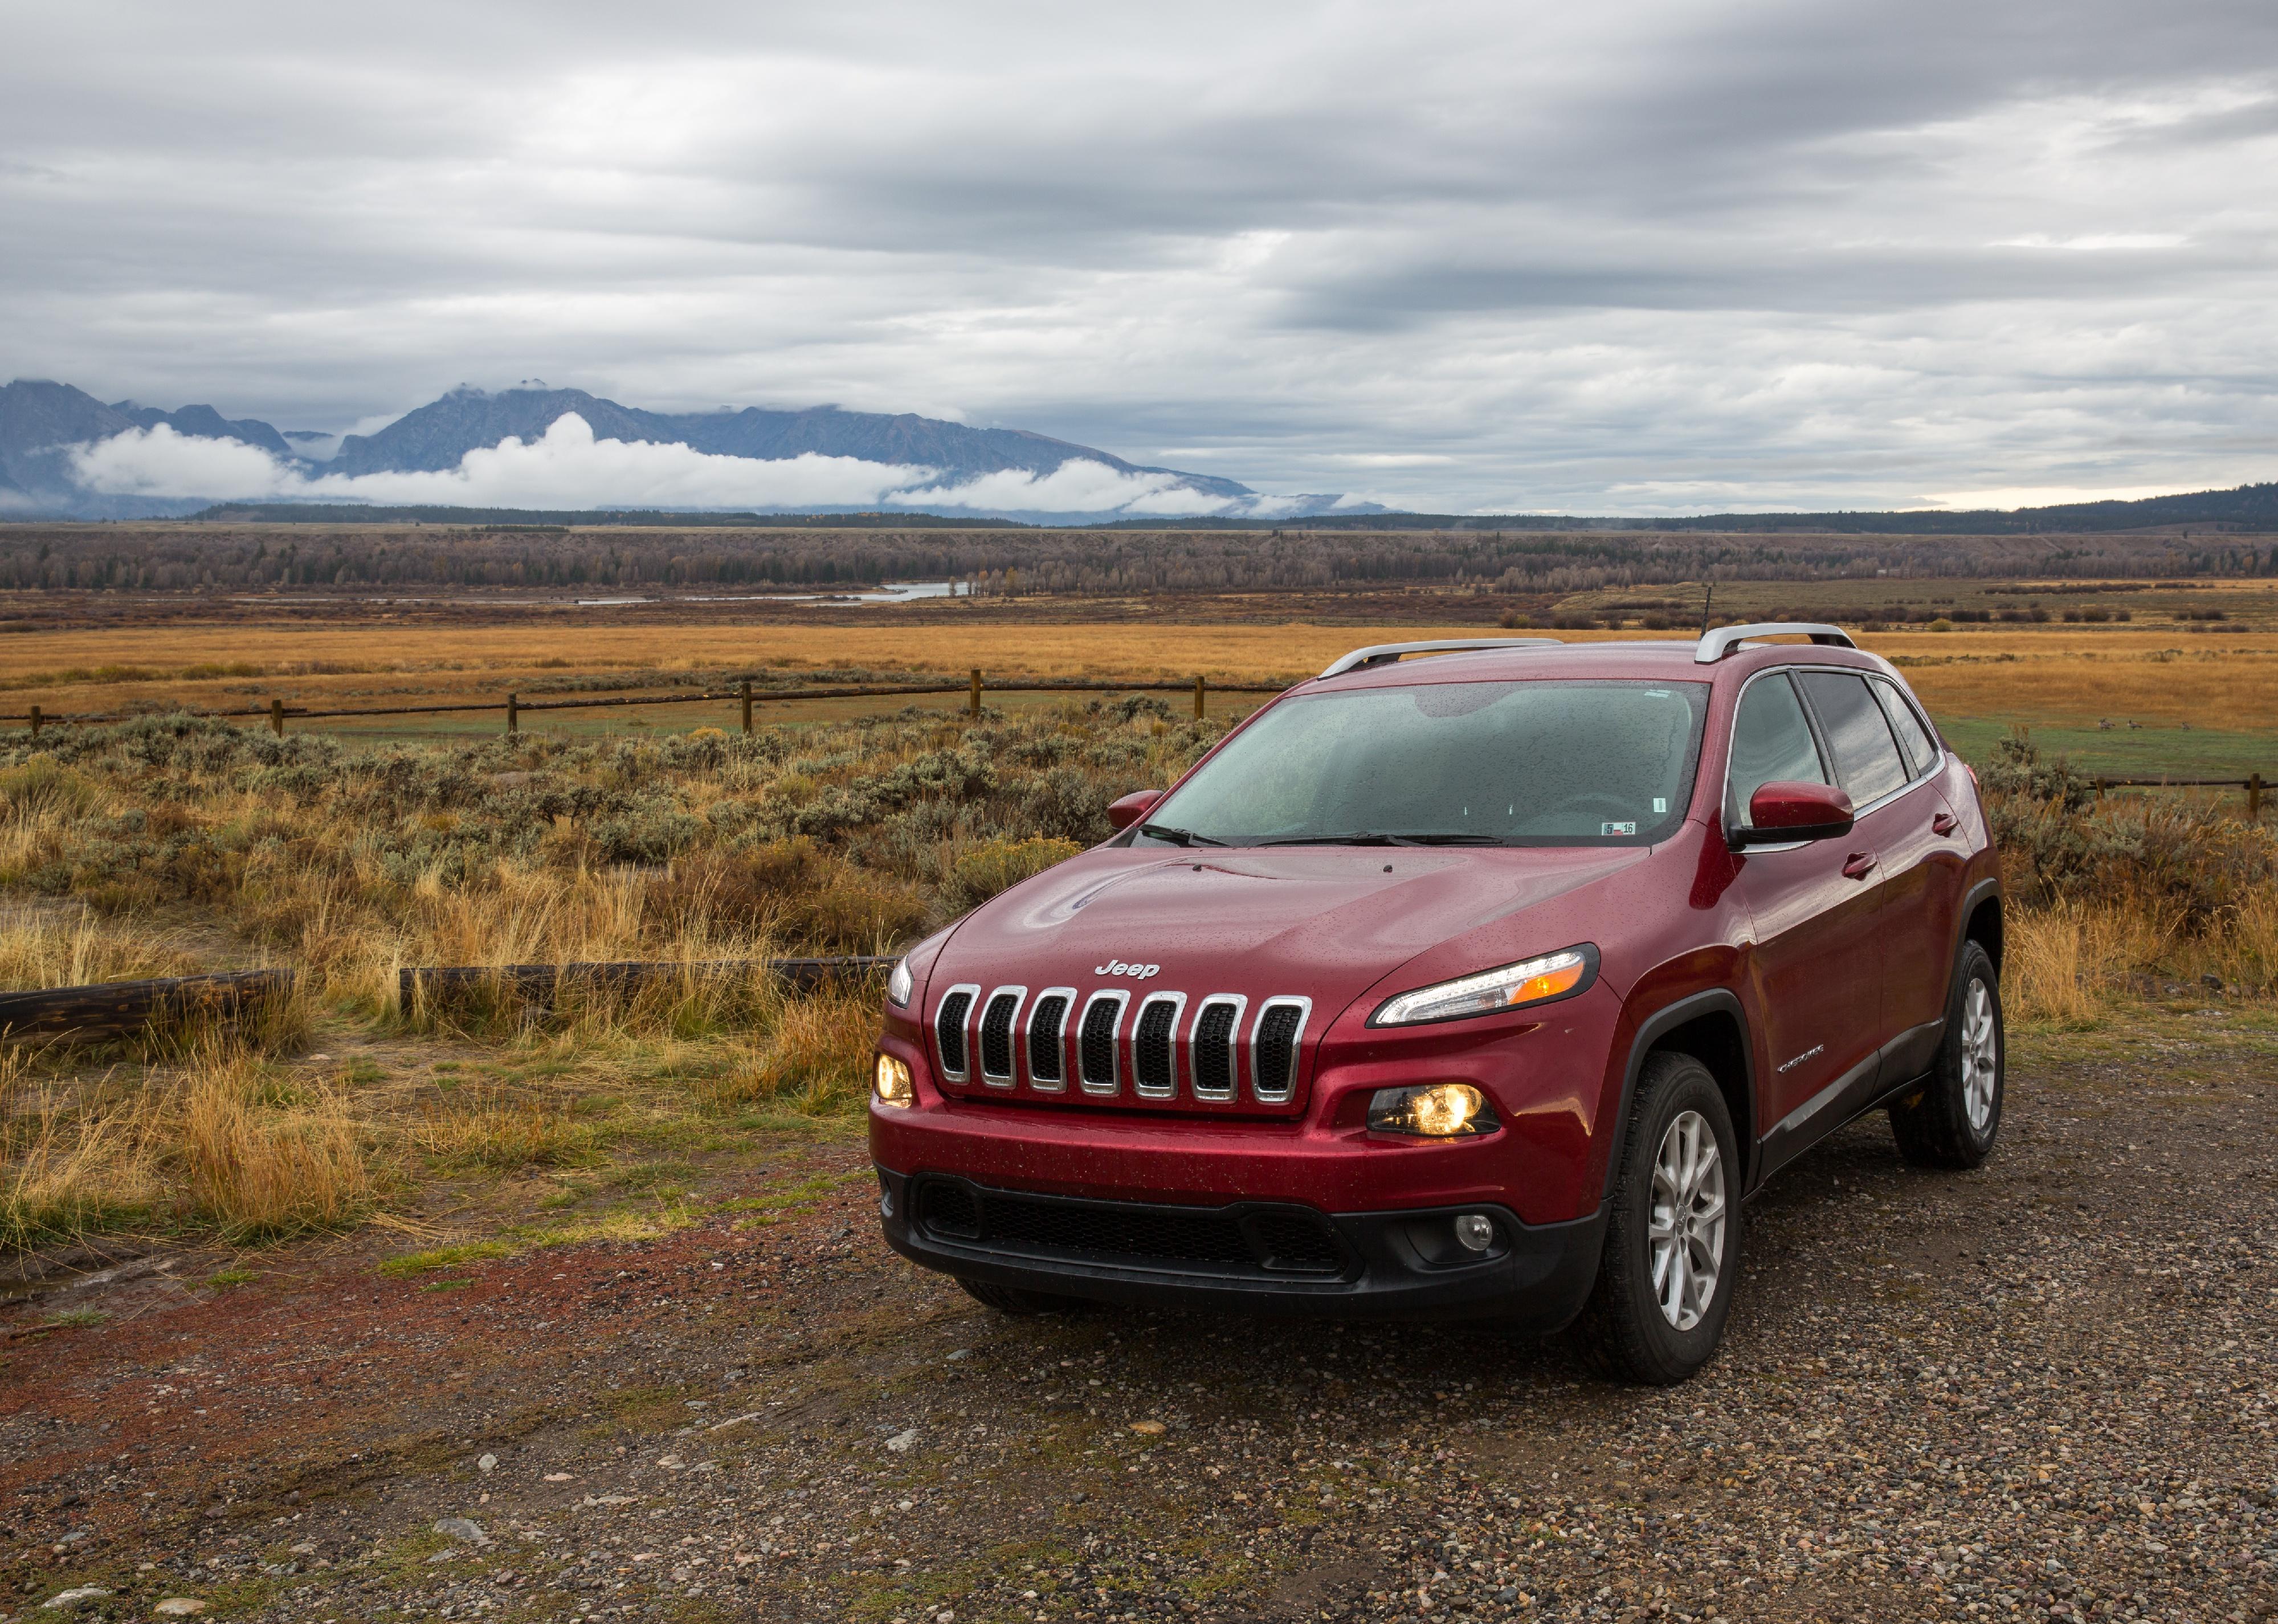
x,y
1595,259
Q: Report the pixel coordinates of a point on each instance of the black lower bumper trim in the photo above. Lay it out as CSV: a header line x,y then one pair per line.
x,y
1387,1265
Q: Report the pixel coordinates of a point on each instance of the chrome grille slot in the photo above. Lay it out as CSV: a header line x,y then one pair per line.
x,y
1047,1039
998,1018
949,1030
1209,1051
1154,1062
1096,1058
1273,1048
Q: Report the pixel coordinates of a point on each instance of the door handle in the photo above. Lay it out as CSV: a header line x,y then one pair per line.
x,y
1858,865
1945,823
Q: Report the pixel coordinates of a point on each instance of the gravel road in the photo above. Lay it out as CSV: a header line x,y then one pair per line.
x,y
2040,1390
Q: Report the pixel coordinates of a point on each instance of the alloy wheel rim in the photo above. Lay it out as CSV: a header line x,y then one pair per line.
x,y
1685,1232
1981,1056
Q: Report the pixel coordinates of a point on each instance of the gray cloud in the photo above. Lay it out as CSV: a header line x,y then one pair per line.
x,y
1641,258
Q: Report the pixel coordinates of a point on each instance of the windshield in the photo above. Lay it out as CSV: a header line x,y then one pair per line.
x,y
1502,764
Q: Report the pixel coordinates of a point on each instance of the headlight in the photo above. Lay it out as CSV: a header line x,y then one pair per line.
x,y
898,986
1432,1111
1535,981
892,1086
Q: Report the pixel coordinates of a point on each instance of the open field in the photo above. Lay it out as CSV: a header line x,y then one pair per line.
x,y
624,1247
1978,679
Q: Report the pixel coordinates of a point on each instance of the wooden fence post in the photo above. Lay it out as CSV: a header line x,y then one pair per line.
x,y
2253,796
513,713
974,709
1199,699
35,721
277,717
748,704
2099,789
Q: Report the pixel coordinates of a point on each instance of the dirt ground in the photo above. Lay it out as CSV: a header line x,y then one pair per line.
x,y
2042,1389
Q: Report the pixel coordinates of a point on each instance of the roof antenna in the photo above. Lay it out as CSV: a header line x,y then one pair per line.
x,y
1705,602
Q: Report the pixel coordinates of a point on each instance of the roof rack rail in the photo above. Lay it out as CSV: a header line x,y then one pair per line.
x,y
1713,646
1385,653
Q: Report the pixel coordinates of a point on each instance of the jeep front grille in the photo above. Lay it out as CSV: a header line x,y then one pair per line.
x,y
1209,1061
1096,1043
1154,1062
1156,1047
949,1030
996,1019
1274,1051
1047,1042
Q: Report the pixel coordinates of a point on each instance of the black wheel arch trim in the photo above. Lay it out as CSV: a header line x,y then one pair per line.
x,y
1985,890
1655,1027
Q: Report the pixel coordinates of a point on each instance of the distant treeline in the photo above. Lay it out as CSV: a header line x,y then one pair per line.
x,y
173,557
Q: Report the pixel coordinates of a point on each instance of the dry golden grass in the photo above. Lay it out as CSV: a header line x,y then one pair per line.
x,y
262,1158
2055,671
67,947
502,1130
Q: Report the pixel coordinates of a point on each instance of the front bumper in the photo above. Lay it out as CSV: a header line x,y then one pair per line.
x,y
1262,1257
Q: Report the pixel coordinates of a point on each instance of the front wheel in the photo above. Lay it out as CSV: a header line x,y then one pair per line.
x,y
1951,1120
1673,1237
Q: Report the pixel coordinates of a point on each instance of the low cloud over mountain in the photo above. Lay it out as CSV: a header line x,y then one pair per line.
x,y
61,451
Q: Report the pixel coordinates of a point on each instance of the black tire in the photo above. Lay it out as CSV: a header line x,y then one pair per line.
x,y
1623,1331
1935,1125
1018,1303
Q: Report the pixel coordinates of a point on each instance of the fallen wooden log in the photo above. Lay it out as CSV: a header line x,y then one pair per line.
x,y
542,983
116,1008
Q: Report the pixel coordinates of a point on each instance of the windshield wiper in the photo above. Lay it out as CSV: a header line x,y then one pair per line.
x,y
1176,837
1361,837
1370,838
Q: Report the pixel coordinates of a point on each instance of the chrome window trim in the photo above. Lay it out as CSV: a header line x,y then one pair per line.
x,y
1724,794
1241,1003
1937,745
1305,1008
977,1053
972,990
1028,1040
1122,999
1177,1002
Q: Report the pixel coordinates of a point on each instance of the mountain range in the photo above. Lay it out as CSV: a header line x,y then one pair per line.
x,y
44,424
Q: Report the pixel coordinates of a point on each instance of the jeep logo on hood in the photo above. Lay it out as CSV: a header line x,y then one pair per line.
x,y
1117,967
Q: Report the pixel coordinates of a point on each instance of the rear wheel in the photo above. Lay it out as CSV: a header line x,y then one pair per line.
x,y
1951,1120
1673,1237
1018,1303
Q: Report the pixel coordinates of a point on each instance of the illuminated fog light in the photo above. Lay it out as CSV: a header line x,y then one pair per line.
x,y
1475,1232
892,1086
1432,1111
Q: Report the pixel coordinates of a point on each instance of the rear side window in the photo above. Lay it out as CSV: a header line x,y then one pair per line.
x,y
1867,761
1771,743
1913,738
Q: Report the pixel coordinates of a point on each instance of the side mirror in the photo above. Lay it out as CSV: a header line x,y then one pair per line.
x,y
1137,804
1782,811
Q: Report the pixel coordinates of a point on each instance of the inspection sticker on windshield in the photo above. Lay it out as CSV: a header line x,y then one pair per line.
x,y
1617,829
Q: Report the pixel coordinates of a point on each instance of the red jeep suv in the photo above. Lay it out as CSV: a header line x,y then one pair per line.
x,y
1481,985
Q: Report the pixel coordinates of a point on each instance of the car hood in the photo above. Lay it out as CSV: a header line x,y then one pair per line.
x,y
1323,922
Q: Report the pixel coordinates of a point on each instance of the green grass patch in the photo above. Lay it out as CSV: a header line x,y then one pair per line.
x,y
445,1257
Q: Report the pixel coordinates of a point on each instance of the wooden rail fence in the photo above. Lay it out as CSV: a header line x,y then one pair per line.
x,y
115,1008
277,712
2252,783
537,984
